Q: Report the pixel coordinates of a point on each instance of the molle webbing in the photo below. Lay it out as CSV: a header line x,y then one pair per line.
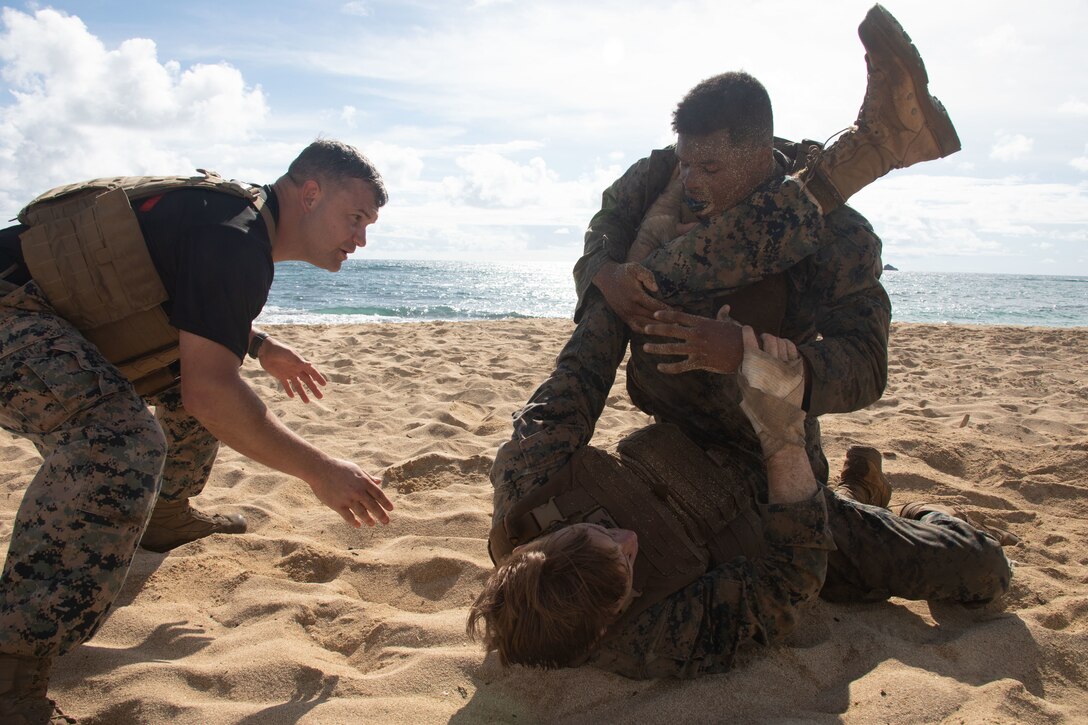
x,y
688,516
85,250
719,515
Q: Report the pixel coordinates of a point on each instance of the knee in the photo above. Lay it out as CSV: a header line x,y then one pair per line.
x,y
989,575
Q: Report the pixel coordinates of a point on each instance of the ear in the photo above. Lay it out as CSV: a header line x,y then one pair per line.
x,y
311,192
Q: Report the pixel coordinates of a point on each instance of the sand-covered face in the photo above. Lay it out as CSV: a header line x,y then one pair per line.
x,y
718,173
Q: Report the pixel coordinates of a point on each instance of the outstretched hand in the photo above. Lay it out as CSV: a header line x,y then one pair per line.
x,y
626,289
352,492
705,344
294,372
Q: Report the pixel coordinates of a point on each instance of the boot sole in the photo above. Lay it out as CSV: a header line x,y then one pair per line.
x,y
880,30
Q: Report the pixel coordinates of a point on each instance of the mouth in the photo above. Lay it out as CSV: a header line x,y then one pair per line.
x,y
695,205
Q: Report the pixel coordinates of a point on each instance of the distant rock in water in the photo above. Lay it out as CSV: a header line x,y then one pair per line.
x,y
889,268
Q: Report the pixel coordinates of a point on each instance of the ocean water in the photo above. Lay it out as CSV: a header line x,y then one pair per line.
x,y
392,291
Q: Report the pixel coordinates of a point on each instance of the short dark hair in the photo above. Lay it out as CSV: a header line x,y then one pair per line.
x,y
735,102
329,160
548,603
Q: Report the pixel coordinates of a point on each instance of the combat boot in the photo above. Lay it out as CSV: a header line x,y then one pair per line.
x,y
23,684
862,479
899,123
174,523
918,509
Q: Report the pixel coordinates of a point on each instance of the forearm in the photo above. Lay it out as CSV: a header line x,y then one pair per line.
x,y
236,416
562,413
612,230
845,316
847,369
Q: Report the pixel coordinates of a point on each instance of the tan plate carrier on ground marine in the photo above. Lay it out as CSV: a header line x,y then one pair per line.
x,y
85,250
662,486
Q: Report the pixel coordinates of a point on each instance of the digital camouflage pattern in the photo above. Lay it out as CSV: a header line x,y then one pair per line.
x,y
103,453
700,627
833,292
822,275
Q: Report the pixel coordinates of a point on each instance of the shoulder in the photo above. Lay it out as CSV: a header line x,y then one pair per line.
x,y
847,235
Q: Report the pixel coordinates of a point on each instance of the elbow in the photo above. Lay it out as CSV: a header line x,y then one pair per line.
x,y
201,401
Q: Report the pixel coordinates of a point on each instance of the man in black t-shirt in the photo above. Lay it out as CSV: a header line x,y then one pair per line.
x,y
114,475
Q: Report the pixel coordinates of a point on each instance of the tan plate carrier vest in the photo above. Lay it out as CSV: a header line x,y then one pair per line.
x,y
85,250
688,516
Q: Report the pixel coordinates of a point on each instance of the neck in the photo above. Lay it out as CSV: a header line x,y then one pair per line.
x,y
287,225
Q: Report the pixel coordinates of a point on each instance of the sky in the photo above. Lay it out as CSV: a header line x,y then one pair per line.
x,y
498,123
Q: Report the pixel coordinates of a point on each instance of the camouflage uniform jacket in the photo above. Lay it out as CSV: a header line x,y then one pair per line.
x,y
826,271
699,628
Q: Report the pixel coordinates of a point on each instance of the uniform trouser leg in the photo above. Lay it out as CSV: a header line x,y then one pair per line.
x,y
191,448
882,555
82,515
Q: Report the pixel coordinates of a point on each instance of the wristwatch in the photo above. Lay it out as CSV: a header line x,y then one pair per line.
x,y
255,344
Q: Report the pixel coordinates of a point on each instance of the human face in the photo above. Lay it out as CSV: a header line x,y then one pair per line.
x,y
717,174
336,221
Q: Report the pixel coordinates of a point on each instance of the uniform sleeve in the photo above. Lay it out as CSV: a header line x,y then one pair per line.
x,y
847,363
699,629
612,230
561,415
770,231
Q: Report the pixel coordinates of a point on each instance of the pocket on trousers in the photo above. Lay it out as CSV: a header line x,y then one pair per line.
x,y
51,387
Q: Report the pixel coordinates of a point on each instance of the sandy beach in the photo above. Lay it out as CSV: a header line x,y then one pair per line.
x,y
303,619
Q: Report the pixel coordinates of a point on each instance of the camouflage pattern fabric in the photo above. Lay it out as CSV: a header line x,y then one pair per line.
x,y
880,555
838,314
699,628
103,453
836,311
191,447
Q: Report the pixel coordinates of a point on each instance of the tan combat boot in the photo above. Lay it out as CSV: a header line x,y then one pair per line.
x,y
899,123
23,684
917,509
862,479
174,523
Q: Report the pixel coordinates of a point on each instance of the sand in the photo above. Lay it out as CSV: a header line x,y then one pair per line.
x,y
304,619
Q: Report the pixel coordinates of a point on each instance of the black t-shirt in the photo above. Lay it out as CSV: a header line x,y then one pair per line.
x,y
212,253
214,257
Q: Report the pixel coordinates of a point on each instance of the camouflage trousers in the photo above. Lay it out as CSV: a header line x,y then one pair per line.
x,y
105,459
881,555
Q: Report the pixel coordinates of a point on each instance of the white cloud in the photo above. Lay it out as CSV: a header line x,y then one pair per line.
x,y
1074,107
1002,40
1080,163
83,110
937,220
356,8
1011,147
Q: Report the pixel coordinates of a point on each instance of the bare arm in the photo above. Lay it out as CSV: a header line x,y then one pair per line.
x,y
215,394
